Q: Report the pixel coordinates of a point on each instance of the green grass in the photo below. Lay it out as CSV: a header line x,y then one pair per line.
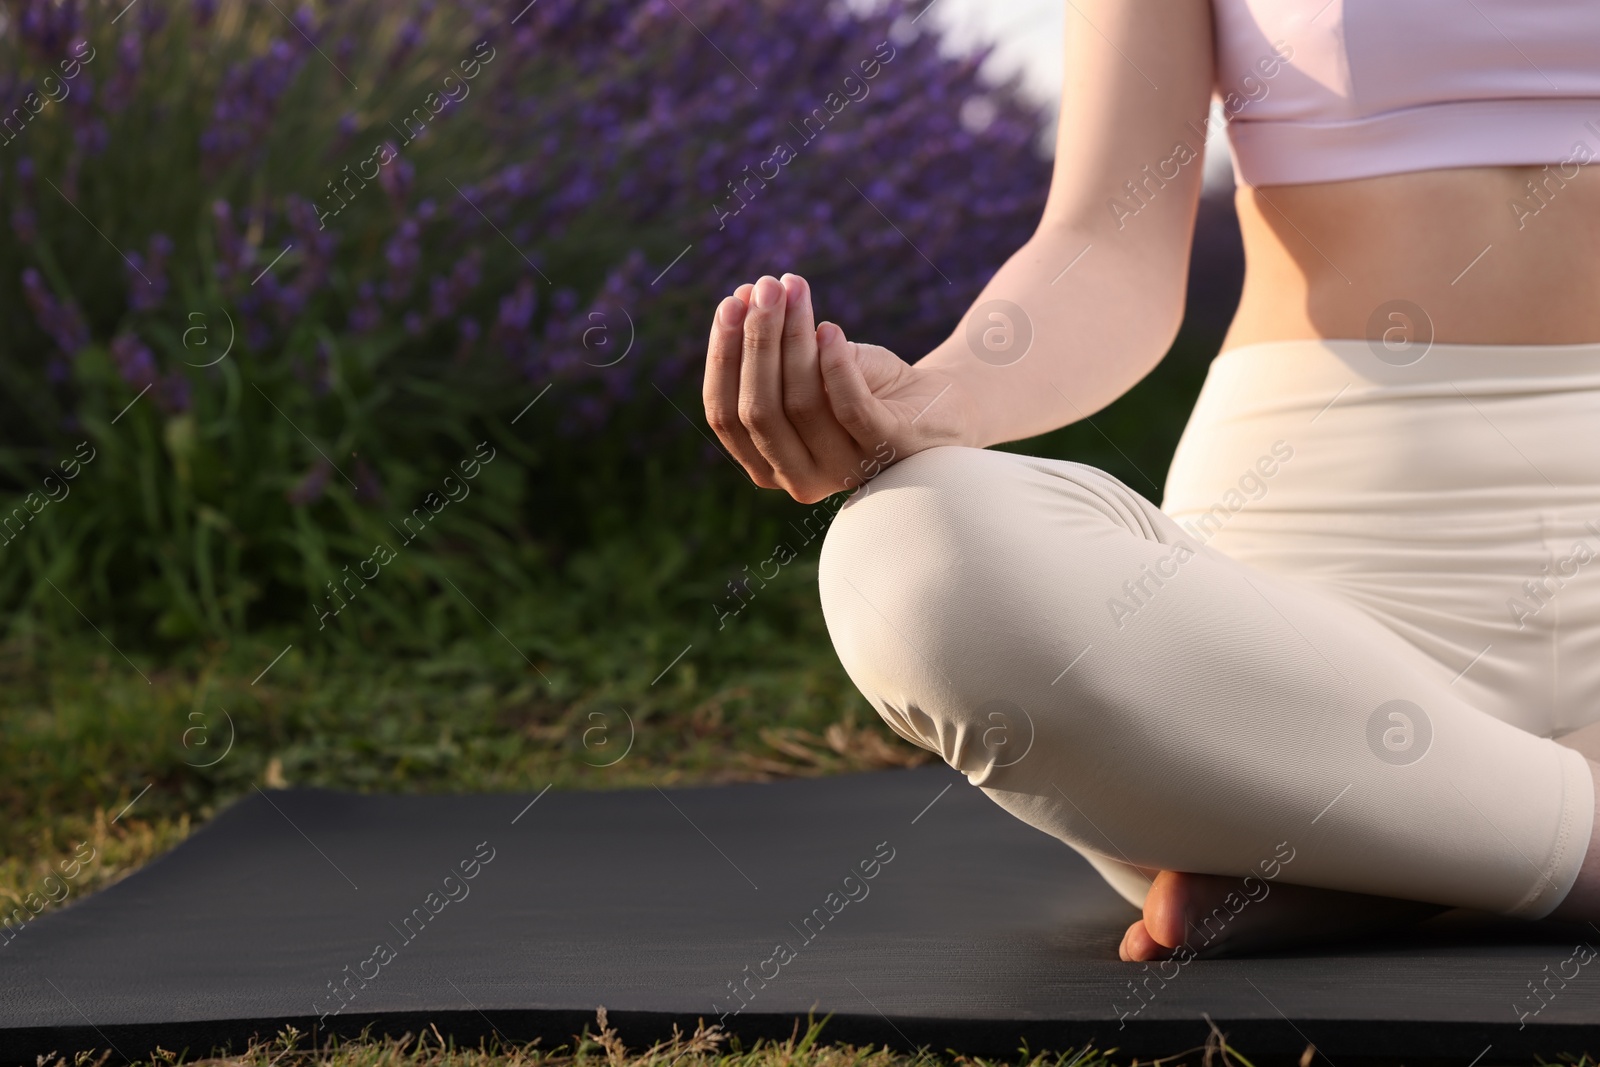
x,y
84,732
603,1046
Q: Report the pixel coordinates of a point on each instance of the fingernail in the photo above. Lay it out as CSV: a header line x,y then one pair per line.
x,y
827,333
793,289
730,311
768,291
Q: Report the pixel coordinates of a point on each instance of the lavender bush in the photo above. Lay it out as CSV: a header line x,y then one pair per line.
x,y
282,268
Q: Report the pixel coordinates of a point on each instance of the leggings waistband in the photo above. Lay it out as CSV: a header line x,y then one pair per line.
x,y
1344,427
1375,363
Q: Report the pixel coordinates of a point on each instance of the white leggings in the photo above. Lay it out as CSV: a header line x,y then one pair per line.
x,y
1368,602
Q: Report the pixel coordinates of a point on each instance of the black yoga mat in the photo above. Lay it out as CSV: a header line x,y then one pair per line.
x,y
906,903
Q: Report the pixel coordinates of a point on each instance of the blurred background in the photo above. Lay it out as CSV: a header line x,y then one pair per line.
x,y
351,431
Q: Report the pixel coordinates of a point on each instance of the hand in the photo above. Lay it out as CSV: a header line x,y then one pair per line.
x,y
808,412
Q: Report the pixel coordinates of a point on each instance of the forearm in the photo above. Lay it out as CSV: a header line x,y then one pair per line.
x,y
1102,305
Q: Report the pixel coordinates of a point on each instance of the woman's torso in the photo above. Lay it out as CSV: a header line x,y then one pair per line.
x,y
1435,255
1458,130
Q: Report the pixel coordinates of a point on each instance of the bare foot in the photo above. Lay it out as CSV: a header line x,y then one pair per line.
x,y
1213,915
1198,915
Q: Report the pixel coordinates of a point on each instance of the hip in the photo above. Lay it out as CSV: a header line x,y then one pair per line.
x,y
1454,498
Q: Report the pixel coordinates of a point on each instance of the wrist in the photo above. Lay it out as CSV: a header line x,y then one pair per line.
x,y
955,415
959,413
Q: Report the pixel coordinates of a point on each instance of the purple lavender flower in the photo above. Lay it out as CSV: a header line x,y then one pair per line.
x,y
397,177
446,292
349,123
367,314
60,319
403,253
152,17
25,224
601,139
230,247
405,42
130,56
47,27
247,103
147,275
135,363
80,104
516,314
253,324
92,137
468,330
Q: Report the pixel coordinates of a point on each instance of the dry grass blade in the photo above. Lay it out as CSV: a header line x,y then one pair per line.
x,y
1217,1044
608,1040
843,746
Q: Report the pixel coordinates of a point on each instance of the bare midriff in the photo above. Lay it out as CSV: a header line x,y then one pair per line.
x,y
1472,255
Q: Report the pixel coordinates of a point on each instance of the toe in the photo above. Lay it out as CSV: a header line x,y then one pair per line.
x,y
1138,946
1166,907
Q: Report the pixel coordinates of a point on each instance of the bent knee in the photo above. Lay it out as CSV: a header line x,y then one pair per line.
x,y
921,504
973,526
931,593
960,577
910,532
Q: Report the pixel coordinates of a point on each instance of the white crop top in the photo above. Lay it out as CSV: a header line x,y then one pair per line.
x,y
1325,90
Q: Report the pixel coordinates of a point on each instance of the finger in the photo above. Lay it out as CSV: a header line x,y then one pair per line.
x,y
805,402
721,390
761,386
858,411
745,292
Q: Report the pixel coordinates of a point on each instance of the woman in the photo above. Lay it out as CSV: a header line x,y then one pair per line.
x,y
1348,675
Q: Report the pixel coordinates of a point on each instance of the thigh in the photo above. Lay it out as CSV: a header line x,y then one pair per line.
x,y
1067,645
1505,608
